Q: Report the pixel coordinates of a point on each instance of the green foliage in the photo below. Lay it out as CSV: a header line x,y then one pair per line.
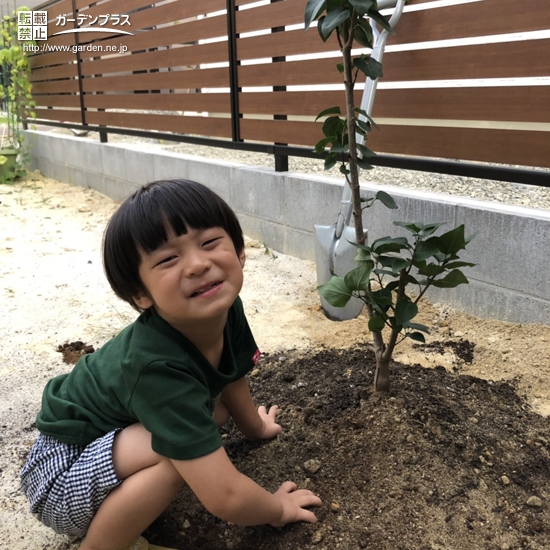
x,y
350,20
15,94
390,267
392,274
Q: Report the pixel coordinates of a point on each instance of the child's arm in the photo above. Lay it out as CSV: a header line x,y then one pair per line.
x,y
252,423
234,497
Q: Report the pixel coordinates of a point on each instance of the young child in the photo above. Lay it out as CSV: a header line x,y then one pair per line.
x,y
137,419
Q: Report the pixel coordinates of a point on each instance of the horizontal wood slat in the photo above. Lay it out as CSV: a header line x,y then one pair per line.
x,y
292,103
55,87
156,15
176,80
489,17
173,57
506,60
210,27
283,43
48,59
52,73
59,115
287,12
501,146
214,103
282,131
491,103
57,100
207,126
289,73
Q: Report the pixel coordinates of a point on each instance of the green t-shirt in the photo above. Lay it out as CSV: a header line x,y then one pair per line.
x,y
149,373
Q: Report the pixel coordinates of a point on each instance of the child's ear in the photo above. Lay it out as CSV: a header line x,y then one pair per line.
x,y
143,301
242,257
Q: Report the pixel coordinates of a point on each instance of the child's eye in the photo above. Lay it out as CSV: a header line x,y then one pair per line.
x,y
166,260
211,241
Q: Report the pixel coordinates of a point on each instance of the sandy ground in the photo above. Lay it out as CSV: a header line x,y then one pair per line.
x,y
54,291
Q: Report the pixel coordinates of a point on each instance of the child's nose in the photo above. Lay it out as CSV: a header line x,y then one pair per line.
x,y
196,263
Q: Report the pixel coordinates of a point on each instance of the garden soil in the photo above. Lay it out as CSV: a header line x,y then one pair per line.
x,y
455,457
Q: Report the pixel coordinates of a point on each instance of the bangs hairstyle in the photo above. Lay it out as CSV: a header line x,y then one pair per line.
x,y
147,218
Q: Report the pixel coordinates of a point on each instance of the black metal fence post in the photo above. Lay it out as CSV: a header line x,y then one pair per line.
x,y
79,68
281,161
233,70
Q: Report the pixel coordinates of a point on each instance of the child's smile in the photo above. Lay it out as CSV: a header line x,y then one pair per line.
x,y
193,277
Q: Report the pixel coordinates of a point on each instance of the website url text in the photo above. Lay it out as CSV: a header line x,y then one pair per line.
x,y
50,48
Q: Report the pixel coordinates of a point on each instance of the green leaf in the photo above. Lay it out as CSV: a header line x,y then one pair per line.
x,y
450,242
451,280
399,264
362,37
381,20
333,19
417,326
386,200
330,161
330,111
431,270
358,278
320,28
368,66
424,250
313,8
343,169
364,126
338,148
320,146
335,292
412,227
382,298
361,6
389,244
362,163
405,310
418,336
340,67
367,29
365,151
376,323
430,228
334,126
454,265
362,256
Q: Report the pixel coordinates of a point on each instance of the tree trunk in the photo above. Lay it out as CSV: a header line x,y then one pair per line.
x,y
382,374
353,166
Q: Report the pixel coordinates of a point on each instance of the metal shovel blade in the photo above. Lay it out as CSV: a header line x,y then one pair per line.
x,y
336,256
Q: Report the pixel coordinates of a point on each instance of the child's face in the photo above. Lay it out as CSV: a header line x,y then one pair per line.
x,y
191,278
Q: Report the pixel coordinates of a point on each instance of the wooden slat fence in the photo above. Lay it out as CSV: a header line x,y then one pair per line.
x,y
484,98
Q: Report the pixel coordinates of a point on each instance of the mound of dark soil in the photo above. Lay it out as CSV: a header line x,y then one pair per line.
x,y
443,462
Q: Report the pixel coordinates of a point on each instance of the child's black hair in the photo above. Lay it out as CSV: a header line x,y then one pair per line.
x,y
145,219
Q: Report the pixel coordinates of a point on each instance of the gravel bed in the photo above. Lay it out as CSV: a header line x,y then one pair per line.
x,y
474,188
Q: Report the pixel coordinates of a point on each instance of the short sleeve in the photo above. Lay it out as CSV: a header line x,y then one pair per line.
x,y
175,406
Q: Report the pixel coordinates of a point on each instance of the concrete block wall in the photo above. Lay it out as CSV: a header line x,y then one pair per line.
x,y
511,280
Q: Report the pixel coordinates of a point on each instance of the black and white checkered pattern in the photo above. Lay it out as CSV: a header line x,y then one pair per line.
x,y
66,484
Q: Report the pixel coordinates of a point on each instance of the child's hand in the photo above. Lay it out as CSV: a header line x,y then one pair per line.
x,y
270,428
294,501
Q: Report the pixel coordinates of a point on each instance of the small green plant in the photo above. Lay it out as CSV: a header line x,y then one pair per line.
x,y
393,273
16,98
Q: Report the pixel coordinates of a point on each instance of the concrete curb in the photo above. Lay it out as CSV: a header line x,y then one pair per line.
x,y
510,282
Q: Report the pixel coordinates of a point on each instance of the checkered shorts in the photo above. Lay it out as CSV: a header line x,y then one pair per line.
x,y
66,484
